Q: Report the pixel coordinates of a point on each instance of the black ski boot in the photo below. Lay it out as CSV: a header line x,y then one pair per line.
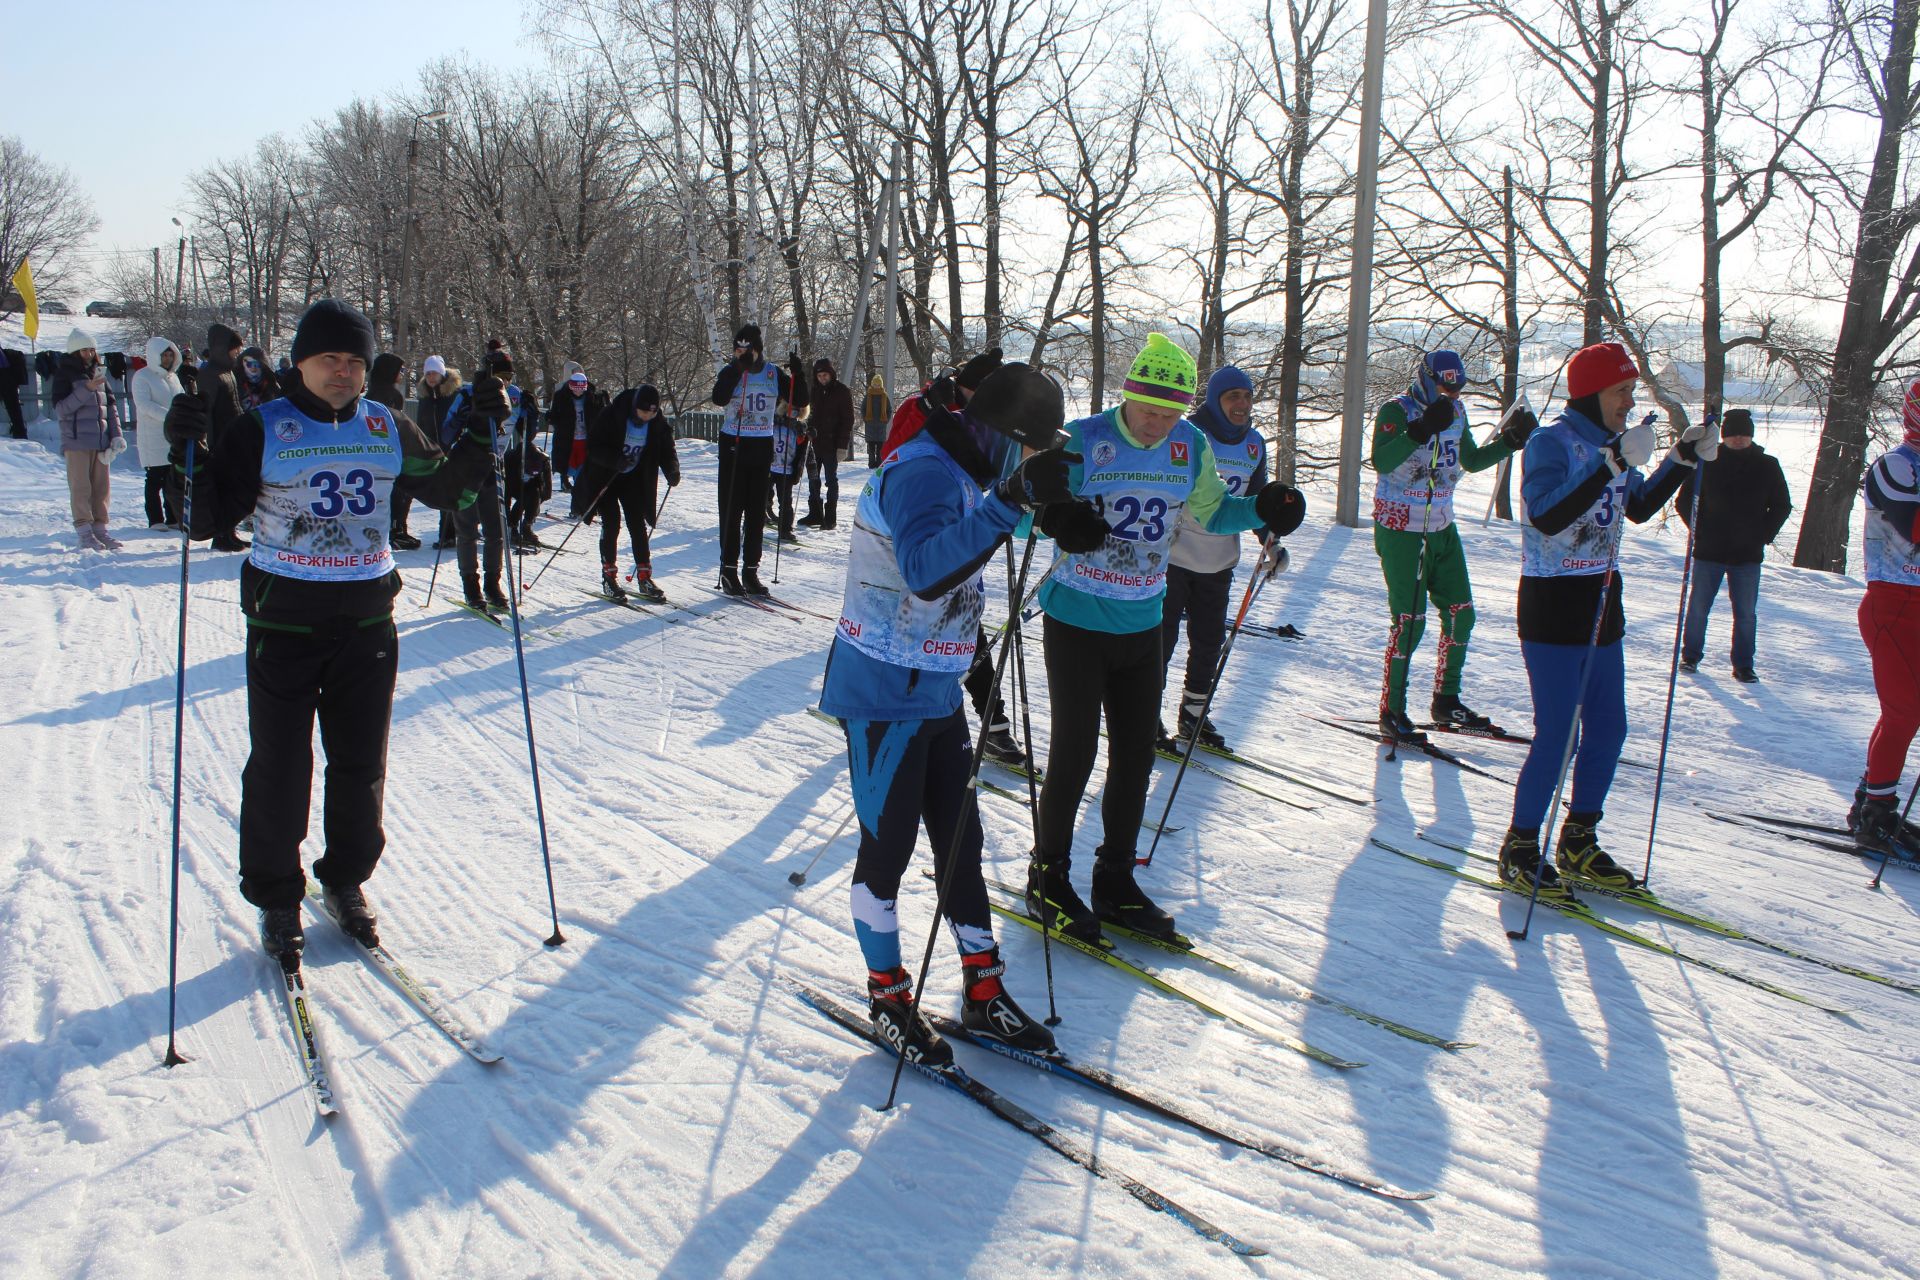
x,y
1876,824
646,588
349,907
497,602
1052,901
282,936
1164,744
1447,709
788,536
898,1021
1119,900
1581,859
610,582
1190,716
989,1011
1520,861
730,581
1396,728
471,587
750,581
1003,750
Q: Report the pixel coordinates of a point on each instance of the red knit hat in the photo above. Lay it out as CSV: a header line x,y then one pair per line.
x,y
1598,367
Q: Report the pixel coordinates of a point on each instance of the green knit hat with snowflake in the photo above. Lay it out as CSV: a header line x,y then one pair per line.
x,y
1162,375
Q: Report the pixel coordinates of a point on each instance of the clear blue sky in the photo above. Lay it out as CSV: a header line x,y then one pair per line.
x,y
91,92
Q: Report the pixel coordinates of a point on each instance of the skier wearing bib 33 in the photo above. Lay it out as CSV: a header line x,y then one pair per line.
x,y
926,523
1421,445
317,469
1581,477
1142,469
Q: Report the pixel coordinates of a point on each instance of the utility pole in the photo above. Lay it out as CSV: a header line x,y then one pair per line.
x,y
1360,285
893,274
179,267
405,290
156,282
875,246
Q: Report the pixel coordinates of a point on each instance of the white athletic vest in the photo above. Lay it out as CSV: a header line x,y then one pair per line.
x,y
1891,556
1400,496
750,415
322,514
635,444
881,617
1586,546
1193,547
1141,494
786,446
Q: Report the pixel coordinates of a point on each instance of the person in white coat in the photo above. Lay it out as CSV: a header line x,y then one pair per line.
x,y
154,388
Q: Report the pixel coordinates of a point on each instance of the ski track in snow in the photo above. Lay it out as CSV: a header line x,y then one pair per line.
x,y
666,1106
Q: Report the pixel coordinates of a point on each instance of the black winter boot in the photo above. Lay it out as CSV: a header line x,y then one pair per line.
x,y
1191,706
832,518
811,520
349,907
750,581
989,1011
497,601
282,936
470,585
730,581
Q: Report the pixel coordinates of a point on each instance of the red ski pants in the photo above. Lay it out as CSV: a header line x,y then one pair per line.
x,y
1890,624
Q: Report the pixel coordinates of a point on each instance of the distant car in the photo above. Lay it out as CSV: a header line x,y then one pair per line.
x,y
56,308
107,310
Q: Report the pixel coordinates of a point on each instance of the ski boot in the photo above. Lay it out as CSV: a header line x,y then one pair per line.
x,y
1052,901
898,1022
1581,859
1876,823
1397,730
988,1010
1448,710
750,581
282,936
610,582
349,906
1520,862
1003,750
1689,665
1208,736
1162,743
1119,900
730,581
496,601
646,588
470,586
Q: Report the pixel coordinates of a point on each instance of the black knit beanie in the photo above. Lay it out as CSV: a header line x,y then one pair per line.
x,y
749,335
1738,422
646,396
332,325
975,371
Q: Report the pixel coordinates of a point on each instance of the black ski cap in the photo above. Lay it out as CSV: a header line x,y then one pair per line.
x,y
1020,402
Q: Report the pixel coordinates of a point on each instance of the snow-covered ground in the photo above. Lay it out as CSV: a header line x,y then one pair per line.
x,y
667,1106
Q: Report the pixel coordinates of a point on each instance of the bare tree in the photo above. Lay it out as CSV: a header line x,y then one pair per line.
x,y
44,219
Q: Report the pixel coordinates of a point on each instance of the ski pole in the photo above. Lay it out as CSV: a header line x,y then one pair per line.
x,y
174,1057
1026,734
1887,855
1673,668
584,515
526,700
660,510
943,876
1254,584
799,878
1573,729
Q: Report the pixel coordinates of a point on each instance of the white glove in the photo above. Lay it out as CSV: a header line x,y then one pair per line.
x,y
1632,448
1705,439
1277,562
116,447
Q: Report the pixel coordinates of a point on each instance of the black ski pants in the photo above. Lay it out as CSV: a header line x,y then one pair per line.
x,y
979,682
482,519
341,672
1202,598
162,501
744,469
905,773
631,495
1090,673
780,503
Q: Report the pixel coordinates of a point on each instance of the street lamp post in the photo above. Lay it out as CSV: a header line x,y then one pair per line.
x,y
406,232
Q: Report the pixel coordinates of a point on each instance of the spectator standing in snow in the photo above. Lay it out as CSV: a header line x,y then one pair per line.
x,y
90,438
438,387
830,427
218,390
318,592
154,387
576,406
13,376
875,412
1743,504
383,387
256,381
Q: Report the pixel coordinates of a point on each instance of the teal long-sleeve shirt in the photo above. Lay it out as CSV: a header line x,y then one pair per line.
x,y
1212,507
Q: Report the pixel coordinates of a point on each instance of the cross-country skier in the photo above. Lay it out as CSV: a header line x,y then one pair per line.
x,y
628,446
1421,445
1200,564
927,522
1144,467
1581,477
1890,625
317,469
753,391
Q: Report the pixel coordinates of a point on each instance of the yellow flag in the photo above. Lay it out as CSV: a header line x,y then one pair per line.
x,y
23,285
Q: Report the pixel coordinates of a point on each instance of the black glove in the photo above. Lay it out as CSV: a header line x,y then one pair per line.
x,y
940,392
490,399
186,420
1434,419
1039,481
1521,425
1074,526
1280,507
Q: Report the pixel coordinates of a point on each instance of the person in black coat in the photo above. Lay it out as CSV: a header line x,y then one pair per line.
x,y
627,446
218,391
575,407
1743,504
